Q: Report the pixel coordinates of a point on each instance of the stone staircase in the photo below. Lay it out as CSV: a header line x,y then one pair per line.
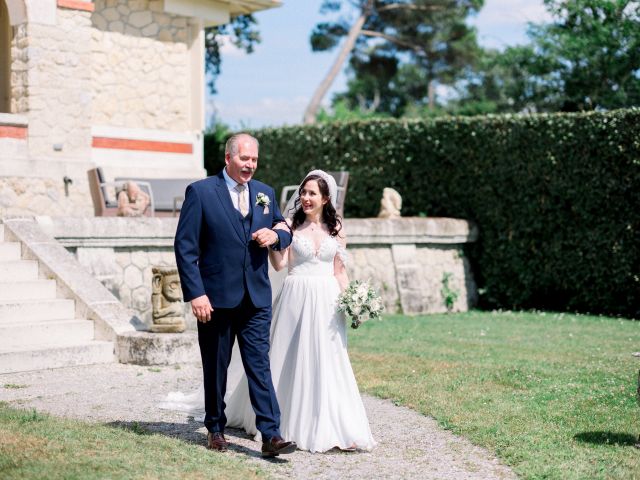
x,y
38,330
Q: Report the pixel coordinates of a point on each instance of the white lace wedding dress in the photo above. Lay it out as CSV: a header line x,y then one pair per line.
x,y
319,399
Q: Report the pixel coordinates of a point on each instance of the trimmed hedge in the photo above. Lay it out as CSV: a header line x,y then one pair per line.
x,y
556,197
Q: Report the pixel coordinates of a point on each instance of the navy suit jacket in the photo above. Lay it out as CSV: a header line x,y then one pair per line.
x,y
213,255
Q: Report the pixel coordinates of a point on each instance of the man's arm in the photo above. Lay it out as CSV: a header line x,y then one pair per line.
x,y
187,245
277,239
187,250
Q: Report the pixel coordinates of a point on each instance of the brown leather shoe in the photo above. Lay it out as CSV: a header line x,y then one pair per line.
x,y
216,441
277,446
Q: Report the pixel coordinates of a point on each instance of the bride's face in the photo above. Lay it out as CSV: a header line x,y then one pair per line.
x,y
311,199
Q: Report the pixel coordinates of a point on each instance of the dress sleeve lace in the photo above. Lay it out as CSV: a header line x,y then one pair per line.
x,y
342,254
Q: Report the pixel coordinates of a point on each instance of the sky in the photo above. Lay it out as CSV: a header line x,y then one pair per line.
x,y
273,85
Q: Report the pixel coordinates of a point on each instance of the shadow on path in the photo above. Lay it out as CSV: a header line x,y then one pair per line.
x,y
193,432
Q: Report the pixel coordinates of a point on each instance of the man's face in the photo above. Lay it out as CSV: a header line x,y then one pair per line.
x,y
242,166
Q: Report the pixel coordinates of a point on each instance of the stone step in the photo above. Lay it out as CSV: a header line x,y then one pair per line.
x,y
10,251
36,310
39,357
18,270
29,290
49,332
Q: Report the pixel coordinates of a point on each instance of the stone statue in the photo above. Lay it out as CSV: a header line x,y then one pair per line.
x,y
166,301
132,200
390,204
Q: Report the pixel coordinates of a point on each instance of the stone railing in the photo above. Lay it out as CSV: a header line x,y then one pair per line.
x,y
113,321
417,264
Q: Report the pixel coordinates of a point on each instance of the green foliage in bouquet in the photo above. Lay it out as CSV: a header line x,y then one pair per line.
x,y
360,302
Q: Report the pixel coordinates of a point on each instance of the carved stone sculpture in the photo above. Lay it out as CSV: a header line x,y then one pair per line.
x,y
166,301
390,204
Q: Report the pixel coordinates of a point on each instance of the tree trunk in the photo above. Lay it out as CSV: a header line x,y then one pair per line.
x,y
321,91
432,95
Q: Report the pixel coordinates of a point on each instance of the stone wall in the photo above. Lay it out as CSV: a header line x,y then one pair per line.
x,y
124,73
416,264
59,86
19,71
405,260
45,195
126,272
140,66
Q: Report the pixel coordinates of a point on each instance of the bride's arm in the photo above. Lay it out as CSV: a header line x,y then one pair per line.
x,y
340,261
278,258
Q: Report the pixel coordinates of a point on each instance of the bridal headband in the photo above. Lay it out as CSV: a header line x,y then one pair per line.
x,y
331,183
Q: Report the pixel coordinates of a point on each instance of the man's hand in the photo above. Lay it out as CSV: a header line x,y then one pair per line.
x,y
265,237
201,308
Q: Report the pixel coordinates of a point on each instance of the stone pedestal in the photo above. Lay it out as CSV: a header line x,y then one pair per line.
x,y
145,348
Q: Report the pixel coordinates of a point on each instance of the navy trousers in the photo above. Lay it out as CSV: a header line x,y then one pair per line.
x,y
251,326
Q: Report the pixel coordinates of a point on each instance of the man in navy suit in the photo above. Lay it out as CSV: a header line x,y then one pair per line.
x,y
221,245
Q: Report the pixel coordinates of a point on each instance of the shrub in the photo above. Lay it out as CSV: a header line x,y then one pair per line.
x,y
556,197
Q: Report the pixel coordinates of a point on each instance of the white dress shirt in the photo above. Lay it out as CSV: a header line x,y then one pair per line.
x,y
231,185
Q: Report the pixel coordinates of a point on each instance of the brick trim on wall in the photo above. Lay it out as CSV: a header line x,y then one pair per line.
x,y
76,5
141,145
13,132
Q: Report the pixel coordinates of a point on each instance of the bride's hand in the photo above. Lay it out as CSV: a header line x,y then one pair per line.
x,y
201,308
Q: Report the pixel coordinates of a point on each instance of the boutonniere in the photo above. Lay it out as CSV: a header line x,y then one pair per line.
x,y
263,201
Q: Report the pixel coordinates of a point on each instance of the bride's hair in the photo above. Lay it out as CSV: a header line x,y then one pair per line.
x,y
329,216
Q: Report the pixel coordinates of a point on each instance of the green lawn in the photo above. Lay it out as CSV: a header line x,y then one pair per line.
x,y
36,446
553,395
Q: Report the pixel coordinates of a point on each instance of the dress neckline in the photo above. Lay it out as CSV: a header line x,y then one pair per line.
x,y
316,251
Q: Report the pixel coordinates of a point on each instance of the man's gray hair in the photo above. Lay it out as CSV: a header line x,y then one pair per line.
x,y
231,148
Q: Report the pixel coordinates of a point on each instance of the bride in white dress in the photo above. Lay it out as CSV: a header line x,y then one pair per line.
x,y
317,392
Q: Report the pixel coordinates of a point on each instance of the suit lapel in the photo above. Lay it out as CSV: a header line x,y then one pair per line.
x,y
256,210
227,206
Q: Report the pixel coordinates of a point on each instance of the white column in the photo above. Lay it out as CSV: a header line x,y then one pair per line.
x,y
197,77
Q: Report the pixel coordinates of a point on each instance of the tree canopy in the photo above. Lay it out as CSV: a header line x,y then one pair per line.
x,y
242,32
591,52
586,58
396,49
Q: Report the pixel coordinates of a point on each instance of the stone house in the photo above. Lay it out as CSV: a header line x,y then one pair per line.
x,y
112,83
120,84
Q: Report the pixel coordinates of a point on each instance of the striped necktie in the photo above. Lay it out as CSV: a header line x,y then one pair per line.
x,y
242,199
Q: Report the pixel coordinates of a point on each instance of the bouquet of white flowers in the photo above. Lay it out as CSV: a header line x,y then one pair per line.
x,y
360,302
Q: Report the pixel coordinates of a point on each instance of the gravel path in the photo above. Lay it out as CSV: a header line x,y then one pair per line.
x,y
410,445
